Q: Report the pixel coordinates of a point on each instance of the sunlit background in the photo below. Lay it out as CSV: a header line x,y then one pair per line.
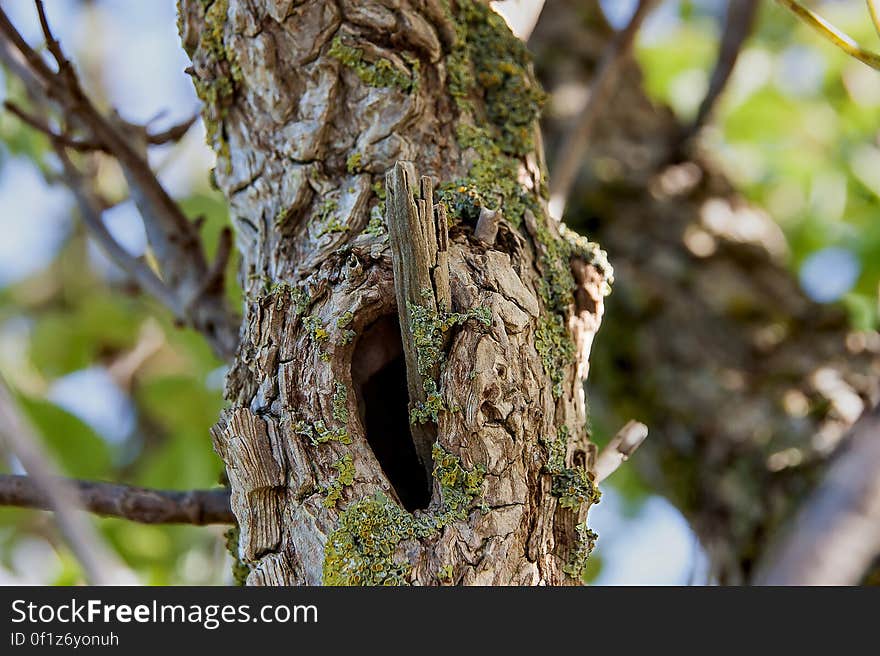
x,y
118,393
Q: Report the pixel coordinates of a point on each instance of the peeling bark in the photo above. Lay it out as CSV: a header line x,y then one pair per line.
x,y
308,104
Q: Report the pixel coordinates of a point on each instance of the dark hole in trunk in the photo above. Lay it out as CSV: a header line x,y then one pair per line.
x,y
378,371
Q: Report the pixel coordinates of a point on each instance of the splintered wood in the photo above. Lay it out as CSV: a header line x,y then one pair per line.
x,y
418,236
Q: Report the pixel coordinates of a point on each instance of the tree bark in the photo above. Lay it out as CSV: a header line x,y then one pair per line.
x,y
308,105
747,386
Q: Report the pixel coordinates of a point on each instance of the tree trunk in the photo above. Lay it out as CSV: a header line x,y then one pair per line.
x,y
748,387
331,402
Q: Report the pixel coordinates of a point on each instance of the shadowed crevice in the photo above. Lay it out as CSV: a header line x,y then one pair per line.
x,y
379,376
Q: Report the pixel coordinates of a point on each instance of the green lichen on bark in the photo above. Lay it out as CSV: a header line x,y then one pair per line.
x,y
319,335
365,548
556,288
573,486
556,450
353,163
216,90
379,73
458,486
428,327
346,334
319,433
576,567
445,574
286,294
376,224
492,85
344,477
340,403
240,569
429,409
554,346
327,218
361,551
491,81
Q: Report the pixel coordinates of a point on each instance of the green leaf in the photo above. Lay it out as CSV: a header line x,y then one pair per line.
x,y
80,452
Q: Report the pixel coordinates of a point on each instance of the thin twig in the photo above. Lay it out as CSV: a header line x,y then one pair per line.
x,y
874,10
174,133
90,211
100,566
569,161
619,449
42,126
136,504
836,536
215,275
832,34
738,25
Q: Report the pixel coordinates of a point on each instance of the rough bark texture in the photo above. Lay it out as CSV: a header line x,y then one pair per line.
x,y
747,386
308,104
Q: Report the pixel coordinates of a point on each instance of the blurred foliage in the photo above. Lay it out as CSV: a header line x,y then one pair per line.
x,y
77,314
797,129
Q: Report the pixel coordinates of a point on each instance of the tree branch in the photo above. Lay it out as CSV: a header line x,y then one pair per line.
x,y
174,133
568,163
136,504
832,34
91,211
619,449
100,566
874,10
174,239
836,535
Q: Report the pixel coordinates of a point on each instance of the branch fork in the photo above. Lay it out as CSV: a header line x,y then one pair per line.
x,y
190,286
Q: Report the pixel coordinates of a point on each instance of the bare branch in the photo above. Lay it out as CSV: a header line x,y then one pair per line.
x,y
619,449
568,163
42,126
100,567
832,34
738,25
214,277
174,133
32,61
174,240
836,536
91,210
52,43
137,504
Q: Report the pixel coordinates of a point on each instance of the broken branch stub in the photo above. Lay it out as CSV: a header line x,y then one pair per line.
x,y
418,238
